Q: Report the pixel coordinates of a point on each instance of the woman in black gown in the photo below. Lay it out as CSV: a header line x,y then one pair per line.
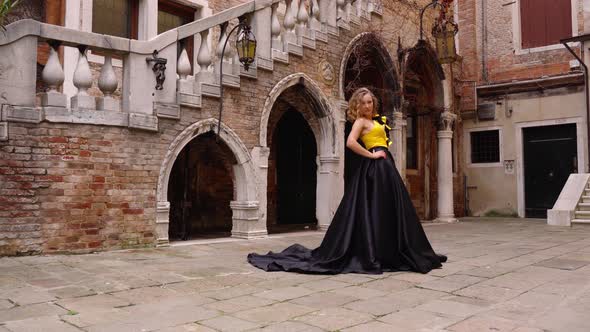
x,y
376,227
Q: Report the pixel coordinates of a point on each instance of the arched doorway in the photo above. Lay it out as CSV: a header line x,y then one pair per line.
x,y
200,190
295,171
246,216
368,64
423,104
299,92
292,165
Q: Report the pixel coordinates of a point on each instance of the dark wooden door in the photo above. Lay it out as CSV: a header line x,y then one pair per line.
x,y
550,156
296,170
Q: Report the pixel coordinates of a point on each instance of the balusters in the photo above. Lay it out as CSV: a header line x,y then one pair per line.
x,y
222,38
183,67
370,6
289,24
204,56
315,15
347,10
340,9
359,7
302,19
83,82
107,83
275,28
53,76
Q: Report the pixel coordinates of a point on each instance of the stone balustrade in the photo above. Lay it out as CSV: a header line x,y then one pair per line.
x,y
304,22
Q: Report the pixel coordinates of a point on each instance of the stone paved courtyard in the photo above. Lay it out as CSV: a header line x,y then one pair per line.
x,y
502,275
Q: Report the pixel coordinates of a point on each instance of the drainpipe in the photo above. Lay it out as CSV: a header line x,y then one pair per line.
x,y
484,42
587,97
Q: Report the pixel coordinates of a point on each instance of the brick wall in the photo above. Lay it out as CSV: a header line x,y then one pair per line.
x,y
502,62
80,188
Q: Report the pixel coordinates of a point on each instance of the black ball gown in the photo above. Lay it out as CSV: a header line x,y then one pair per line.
x,y
375,228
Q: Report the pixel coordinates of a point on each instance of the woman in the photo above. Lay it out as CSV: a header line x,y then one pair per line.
x,y
376,227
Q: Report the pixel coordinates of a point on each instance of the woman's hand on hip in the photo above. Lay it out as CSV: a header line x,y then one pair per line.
x,y
379,154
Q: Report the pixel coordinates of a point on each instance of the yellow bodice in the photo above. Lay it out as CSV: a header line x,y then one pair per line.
x,y
375,137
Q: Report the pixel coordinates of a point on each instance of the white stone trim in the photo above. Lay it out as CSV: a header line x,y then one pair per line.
x,y
468,147
3,131
517,31
581,137
99,59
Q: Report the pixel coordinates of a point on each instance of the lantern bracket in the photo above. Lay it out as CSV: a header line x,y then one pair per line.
x,y
242,25
159,68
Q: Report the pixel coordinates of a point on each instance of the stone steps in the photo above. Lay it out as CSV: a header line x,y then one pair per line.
x,y
292,48
582,213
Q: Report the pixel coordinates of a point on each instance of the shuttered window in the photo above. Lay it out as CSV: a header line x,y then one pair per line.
x,y
545,22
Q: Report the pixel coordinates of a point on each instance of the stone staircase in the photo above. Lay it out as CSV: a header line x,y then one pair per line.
x,y
573,203
280,33
582,212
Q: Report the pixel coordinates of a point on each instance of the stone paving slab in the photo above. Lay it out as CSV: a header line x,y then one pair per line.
x,y
30,311
239,304
324,300
334,319
416,319
274,313
502,275
291,327
229,324
41,324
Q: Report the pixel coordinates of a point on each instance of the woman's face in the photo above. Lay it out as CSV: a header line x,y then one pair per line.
x,y
366,106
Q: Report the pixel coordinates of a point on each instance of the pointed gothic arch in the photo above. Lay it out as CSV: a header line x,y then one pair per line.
x,y
245,204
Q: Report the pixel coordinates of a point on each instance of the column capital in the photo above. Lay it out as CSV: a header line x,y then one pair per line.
x,y
398,120
446,121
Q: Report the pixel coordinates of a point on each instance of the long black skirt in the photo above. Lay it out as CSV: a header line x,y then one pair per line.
x,y
375,229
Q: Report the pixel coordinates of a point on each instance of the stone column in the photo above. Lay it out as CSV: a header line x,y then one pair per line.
x,y
245,220
327,176
259,155
397,139
148,19
162,223
445,168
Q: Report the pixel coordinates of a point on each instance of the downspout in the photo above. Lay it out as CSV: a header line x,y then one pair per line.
x,y
587,97
484,42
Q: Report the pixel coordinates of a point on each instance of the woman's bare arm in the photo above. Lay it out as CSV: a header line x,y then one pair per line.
x,y
357,128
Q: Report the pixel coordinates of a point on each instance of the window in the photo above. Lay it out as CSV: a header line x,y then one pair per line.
x,y
544,22
485,146
172,15
412,143
115,17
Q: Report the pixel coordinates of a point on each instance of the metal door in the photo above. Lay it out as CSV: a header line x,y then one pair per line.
x,y
550,156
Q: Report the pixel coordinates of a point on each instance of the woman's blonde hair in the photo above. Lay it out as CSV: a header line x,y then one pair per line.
x,y
355,100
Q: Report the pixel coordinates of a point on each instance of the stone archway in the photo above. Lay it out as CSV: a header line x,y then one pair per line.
x,y
329,186
368,63
423,103
391,72
245,206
